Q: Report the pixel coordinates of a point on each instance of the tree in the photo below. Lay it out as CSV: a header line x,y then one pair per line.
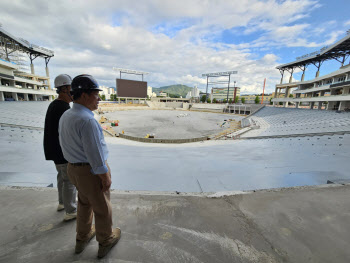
x,y
290,95
225,101
271,101
203,98
230,101
214,100
257,99
174,95
209,100
103,97
236,99
243,100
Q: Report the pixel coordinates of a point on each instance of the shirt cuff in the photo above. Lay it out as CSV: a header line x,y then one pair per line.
x,y
100,170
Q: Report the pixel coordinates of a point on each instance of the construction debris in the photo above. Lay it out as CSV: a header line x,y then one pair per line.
x,y
183,115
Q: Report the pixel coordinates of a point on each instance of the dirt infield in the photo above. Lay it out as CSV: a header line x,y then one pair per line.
x,y
170,124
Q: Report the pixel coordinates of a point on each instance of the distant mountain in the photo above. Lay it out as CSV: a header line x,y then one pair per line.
x,y
177,89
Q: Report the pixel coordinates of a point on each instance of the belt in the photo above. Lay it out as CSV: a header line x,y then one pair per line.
x,y
79,164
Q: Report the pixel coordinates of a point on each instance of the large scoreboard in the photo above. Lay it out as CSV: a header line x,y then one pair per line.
x,y
131,88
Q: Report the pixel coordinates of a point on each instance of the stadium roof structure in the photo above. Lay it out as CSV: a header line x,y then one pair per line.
x,y
337,51
10,43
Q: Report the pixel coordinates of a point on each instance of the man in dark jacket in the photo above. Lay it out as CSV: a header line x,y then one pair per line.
x,y
66,190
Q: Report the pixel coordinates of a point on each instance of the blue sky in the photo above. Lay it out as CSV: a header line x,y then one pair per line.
x,y
177,41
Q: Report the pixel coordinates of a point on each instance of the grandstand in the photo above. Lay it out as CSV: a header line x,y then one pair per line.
x,y
15,83
331,91
272,121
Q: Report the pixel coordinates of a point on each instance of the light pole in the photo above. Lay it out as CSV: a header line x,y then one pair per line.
x,y
235,91
228,87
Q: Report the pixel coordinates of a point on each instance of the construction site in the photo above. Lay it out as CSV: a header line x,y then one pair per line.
x,y
191,182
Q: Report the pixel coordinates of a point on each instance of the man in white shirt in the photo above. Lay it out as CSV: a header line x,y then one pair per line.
x,y
85,149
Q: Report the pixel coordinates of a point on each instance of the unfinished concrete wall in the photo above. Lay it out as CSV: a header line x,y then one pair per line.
x,y
173,104
208,106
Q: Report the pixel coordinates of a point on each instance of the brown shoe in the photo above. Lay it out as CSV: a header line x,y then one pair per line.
x,y
81,245
104,249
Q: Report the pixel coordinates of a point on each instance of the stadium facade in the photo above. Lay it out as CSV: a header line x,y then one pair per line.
x,y
15,82
330,92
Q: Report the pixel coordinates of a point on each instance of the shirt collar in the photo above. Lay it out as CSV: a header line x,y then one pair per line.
x,y
78,106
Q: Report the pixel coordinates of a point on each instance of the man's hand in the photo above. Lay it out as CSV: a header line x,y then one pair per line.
x,y
106,181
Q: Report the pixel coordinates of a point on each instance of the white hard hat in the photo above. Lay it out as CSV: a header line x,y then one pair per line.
x,y
63,80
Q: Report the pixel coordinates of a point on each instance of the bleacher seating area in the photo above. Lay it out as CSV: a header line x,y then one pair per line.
x,y
22,121
24,113
286,121
20,134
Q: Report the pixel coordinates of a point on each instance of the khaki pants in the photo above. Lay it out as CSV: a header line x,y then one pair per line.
x,y
91,200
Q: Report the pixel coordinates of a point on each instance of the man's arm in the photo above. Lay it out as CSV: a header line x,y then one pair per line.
x,y
94,152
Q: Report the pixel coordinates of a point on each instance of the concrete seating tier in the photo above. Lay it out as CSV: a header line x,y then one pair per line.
x,y
282,121
17,134
23,113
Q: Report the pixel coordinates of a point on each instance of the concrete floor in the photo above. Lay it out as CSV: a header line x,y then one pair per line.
x,y
210,166
287,225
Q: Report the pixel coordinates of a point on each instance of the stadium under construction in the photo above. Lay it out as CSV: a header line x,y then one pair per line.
x,y
257,183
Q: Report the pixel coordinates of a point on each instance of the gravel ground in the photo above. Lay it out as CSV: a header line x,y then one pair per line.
x,y
169,124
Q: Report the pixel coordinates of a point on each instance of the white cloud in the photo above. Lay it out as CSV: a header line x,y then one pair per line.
x,y
174,40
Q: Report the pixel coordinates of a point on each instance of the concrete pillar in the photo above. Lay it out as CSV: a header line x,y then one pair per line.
x,y
48,75
291,78
126,101
2,97
319,106
32,68
312,105
132,101
276,92
50,97
330,105
34,97
14,95
118,100
317,73
340,106
286,92
297,105
302,77
26,98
